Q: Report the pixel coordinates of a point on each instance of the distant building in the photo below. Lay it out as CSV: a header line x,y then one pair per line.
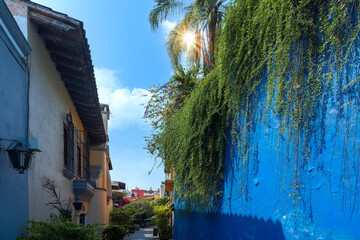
x,y
138,192
118,192
119,186
142,193
162,189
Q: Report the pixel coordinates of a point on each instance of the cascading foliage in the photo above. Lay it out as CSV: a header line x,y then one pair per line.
x,y
195,144
294,54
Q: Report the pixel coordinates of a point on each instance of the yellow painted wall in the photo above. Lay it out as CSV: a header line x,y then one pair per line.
x,y
99,207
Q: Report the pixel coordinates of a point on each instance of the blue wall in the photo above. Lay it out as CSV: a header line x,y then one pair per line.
x,y
225,226
280,192
14,211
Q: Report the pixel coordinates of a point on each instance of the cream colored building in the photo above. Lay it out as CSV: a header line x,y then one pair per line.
x,y
101,203
65,115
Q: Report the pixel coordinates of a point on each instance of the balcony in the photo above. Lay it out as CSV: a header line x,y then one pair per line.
x,y
83,190
169,185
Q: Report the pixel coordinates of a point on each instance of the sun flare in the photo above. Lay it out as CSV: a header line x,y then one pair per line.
x,y
189,39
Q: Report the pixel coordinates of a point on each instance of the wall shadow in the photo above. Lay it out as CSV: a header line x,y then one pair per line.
x,y
224,227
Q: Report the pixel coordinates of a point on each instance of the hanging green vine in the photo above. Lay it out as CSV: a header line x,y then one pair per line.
x,y
195,144
292,53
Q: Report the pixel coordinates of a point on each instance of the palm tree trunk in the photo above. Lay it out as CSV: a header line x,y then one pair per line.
x,y
212,35
197,47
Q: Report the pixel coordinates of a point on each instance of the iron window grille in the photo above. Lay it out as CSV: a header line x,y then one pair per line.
x,y
79,159
86,158
69,143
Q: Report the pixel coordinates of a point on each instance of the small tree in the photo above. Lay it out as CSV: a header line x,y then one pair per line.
x,y
162,214
121,217
55,202
140,210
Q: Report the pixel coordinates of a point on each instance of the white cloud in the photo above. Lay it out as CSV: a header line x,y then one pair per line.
x,y
167,26
107,82
126,105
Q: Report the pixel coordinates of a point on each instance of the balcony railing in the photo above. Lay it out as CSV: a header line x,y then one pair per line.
x,y
169,185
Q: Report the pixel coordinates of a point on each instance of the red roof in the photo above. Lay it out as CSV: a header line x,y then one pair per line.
x,y
149,196
134,199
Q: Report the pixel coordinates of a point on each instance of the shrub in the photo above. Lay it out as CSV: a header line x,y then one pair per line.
x,y
162,214
121,217
140,209
161,201
59,229
114,232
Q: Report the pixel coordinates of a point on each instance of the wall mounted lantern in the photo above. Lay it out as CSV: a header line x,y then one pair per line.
x,y
20,156
78,204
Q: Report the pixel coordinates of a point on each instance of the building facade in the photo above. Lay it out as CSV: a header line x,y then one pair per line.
x,y
101,203
14,82
63,112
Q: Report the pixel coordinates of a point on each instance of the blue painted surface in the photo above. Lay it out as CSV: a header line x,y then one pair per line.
x,y
324,204
14,210
281,191
225,226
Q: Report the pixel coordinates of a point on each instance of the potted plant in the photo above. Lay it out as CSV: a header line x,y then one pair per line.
x,y
162,214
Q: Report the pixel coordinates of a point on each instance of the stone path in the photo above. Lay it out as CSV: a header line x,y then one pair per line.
x,y
143,233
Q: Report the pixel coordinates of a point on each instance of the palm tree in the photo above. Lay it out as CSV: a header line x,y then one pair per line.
x,y
202,17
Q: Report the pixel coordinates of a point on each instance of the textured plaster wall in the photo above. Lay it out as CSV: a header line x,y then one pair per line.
x,y
49,104
264,204
108,202
260,198
98,209
13,125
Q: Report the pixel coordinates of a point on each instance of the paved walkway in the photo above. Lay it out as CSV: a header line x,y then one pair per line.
x,y
143,233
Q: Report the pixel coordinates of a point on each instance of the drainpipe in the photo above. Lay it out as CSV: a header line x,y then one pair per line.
x,y
27,61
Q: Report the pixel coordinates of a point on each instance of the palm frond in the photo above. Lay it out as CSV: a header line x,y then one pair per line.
x,y
162,9
175,44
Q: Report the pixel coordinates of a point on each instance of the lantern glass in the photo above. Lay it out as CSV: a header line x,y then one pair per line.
x,y
78,205
20,157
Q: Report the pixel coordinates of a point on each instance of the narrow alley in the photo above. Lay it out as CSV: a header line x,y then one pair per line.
x,y
143,233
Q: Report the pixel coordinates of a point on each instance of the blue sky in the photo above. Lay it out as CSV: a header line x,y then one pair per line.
x,y
128,58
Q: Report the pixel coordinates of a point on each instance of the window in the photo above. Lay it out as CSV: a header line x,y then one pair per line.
x,y
79,159
65,146
69,143
82,157
86,158
83,219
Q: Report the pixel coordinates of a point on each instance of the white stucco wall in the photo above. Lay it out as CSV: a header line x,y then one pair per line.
x,y
49,102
